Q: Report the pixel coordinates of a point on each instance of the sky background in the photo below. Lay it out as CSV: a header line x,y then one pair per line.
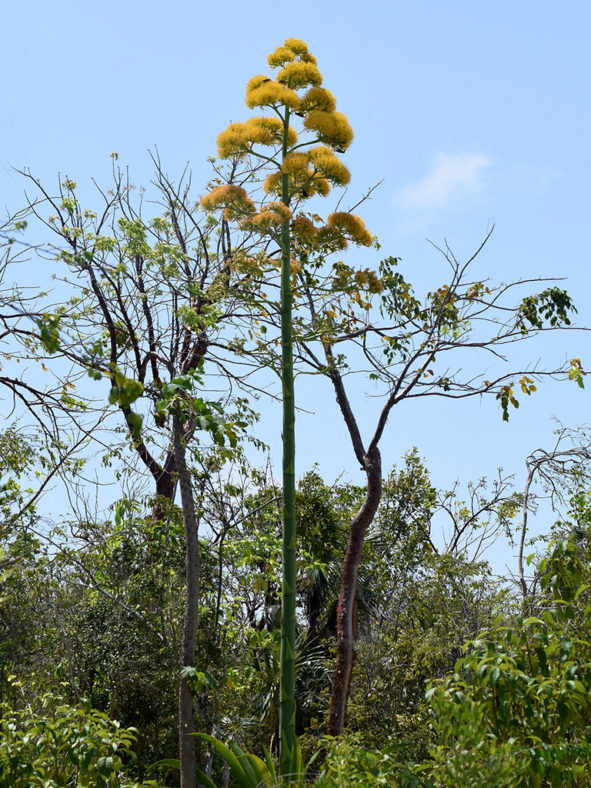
x,y
473,114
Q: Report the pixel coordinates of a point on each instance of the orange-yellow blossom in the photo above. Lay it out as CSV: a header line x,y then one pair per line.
x,y
330,166
269,94
299,75
332,127
317,99
350,225
280,56
232,198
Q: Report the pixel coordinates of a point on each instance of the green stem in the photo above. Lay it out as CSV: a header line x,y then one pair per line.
x,y
287,733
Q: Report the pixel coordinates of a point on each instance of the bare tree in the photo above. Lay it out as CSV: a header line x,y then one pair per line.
x,y
560,471
404,344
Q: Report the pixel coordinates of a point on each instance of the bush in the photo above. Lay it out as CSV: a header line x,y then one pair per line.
x,y
64,746
517,711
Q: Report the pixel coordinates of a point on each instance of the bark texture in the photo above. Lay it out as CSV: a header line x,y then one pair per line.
x,y
186,721
347,606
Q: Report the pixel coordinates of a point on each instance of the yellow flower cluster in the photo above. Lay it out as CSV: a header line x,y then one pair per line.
x,y
268,94
320,186
280,57
232,142
281,209
303,229
299,75
237,139
296,164
330,238
352,226
232,198
330,166
268,131
302,180
268,220
332,127
318,98
297,46
272,184
255,82
369,279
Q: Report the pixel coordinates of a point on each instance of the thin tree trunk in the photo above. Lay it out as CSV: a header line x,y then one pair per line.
x,y
347,607
186,724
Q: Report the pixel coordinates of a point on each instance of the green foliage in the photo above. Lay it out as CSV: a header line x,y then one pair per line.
x,y
552,304
348,762
177,396
517,710
248,770
124,390
49,332
63,746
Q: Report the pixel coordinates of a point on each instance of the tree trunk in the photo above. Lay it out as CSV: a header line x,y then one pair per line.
x,y
186,725
346,610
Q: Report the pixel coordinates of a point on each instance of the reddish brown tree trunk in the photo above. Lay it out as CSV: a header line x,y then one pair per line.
x,y
346,611
186,723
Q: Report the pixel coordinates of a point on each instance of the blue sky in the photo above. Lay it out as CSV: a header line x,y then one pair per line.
x,y
472,114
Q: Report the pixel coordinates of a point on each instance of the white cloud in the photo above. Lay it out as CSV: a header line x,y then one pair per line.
x,y
451,178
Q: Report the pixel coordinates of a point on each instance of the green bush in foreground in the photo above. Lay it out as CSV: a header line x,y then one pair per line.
x,y
64,746
517,711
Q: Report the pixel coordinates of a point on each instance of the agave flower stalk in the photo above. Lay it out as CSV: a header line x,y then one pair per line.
x,y
296,171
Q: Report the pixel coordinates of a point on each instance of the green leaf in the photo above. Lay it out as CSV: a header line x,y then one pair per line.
x,y
236,769
49,332
135,421
204,780
165,763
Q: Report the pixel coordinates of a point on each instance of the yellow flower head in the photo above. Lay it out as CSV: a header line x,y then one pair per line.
x,y
320,186
268,131
232,198
308,57
280,57
233,142
263,222
318,98
352,226
272,184
255,82
299,75
297,46
332,127
303,229
302,181
281,209
269,94
374,283
331,237
330,166
296,164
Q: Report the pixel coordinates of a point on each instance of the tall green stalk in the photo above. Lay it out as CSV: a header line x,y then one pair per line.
x,y
306,168
287,709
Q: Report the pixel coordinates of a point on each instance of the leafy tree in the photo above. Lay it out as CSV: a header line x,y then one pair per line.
x,y
147,299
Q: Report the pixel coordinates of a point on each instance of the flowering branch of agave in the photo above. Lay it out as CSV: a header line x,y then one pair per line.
x,y
299,170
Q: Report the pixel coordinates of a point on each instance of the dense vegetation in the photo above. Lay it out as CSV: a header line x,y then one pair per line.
x,y
256,633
